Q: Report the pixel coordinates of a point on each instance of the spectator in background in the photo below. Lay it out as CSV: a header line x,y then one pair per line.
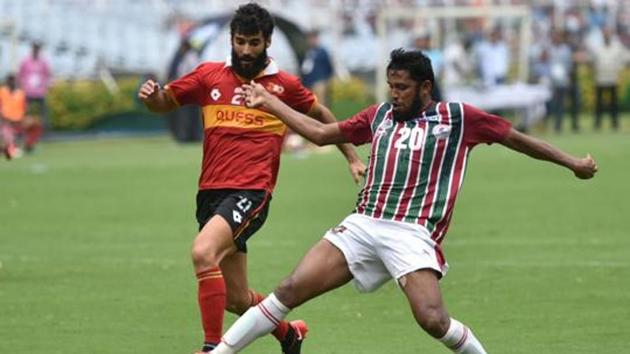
x,y
597,16
457,66
609,59
317,68
185,122
560,66
14,122
541,66
493,59
422,42
578,56
34,78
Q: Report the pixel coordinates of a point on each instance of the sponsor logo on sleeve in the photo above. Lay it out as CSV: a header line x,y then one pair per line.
x,y
215,94
386,124
275,88
441,131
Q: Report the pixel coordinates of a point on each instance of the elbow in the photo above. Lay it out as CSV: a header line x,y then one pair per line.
x,y
319,138
318,141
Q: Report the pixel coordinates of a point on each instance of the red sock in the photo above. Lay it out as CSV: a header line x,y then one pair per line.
x,y
211,296
281,330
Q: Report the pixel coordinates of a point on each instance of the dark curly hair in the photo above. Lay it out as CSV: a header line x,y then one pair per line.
x,y
250,19
413,61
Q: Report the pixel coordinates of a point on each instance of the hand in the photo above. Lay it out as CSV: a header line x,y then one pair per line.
x,y
256,95
357,170
585,168
148,90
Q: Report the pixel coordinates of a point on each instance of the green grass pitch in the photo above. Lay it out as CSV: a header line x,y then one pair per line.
x,y
95,238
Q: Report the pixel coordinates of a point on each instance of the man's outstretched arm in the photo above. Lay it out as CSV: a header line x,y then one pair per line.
x,y
155,98
315,131
583,168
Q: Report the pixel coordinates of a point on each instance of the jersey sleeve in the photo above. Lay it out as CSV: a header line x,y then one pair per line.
x,y
299,97
483,127
190,88
358,128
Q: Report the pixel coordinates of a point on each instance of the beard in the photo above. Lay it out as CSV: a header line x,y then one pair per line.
x,y
253,68
413,111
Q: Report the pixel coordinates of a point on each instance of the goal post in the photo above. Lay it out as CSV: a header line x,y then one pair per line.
x,y
387,15
8,53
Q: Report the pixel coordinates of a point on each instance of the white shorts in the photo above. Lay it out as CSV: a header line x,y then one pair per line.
x,y
378,250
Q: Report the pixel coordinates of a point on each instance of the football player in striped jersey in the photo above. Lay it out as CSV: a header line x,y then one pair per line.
x,y
419,150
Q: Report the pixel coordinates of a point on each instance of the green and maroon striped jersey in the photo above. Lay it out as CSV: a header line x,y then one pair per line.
x,y
416,167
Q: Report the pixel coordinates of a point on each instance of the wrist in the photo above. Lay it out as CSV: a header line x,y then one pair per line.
x,y
573,163
271,102
350,153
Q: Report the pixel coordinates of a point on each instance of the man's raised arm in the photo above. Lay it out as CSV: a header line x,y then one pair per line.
x,y
313,130
155,98
583,168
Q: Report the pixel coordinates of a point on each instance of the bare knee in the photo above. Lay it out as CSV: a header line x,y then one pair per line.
x,y
205,256
213,243
288,293
433,319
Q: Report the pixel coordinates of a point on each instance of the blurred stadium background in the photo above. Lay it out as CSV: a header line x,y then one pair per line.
x,y
100,50
95,226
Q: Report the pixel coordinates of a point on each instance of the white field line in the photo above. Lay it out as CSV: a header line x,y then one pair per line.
x,y
547,264
472,241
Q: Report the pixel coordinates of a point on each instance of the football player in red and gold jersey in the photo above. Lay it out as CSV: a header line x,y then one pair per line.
x,y
241,156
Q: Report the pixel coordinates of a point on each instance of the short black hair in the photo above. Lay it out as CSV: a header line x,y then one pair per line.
x,y
250,19
413,61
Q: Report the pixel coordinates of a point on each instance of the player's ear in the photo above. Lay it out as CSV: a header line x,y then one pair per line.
x,y
426,87
268,42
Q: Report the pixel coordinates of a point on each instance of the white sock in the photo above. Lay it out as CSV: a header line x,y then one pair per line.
x,y
460,339
256,322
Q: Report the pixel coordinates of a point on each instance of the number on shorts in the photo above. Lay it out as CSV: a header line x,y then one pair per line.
x,y
244,204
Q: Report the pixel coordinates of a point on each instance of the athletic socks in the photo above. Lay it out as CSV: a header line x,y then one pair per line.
x,y
256,322
461,340
211,297
283,327
208,347
269,313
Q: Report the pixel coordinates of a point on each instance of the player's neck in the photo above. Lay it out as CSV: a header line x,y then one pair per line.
x,y
427,102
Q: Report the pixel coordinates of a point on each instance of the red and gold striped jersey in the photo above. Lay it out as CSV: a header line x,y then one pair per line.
x,y
242,145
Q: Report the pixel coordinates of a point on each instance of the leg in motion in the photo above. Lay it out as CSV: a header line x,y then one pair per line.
x,y
425,298
213,243
322,269
240,298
